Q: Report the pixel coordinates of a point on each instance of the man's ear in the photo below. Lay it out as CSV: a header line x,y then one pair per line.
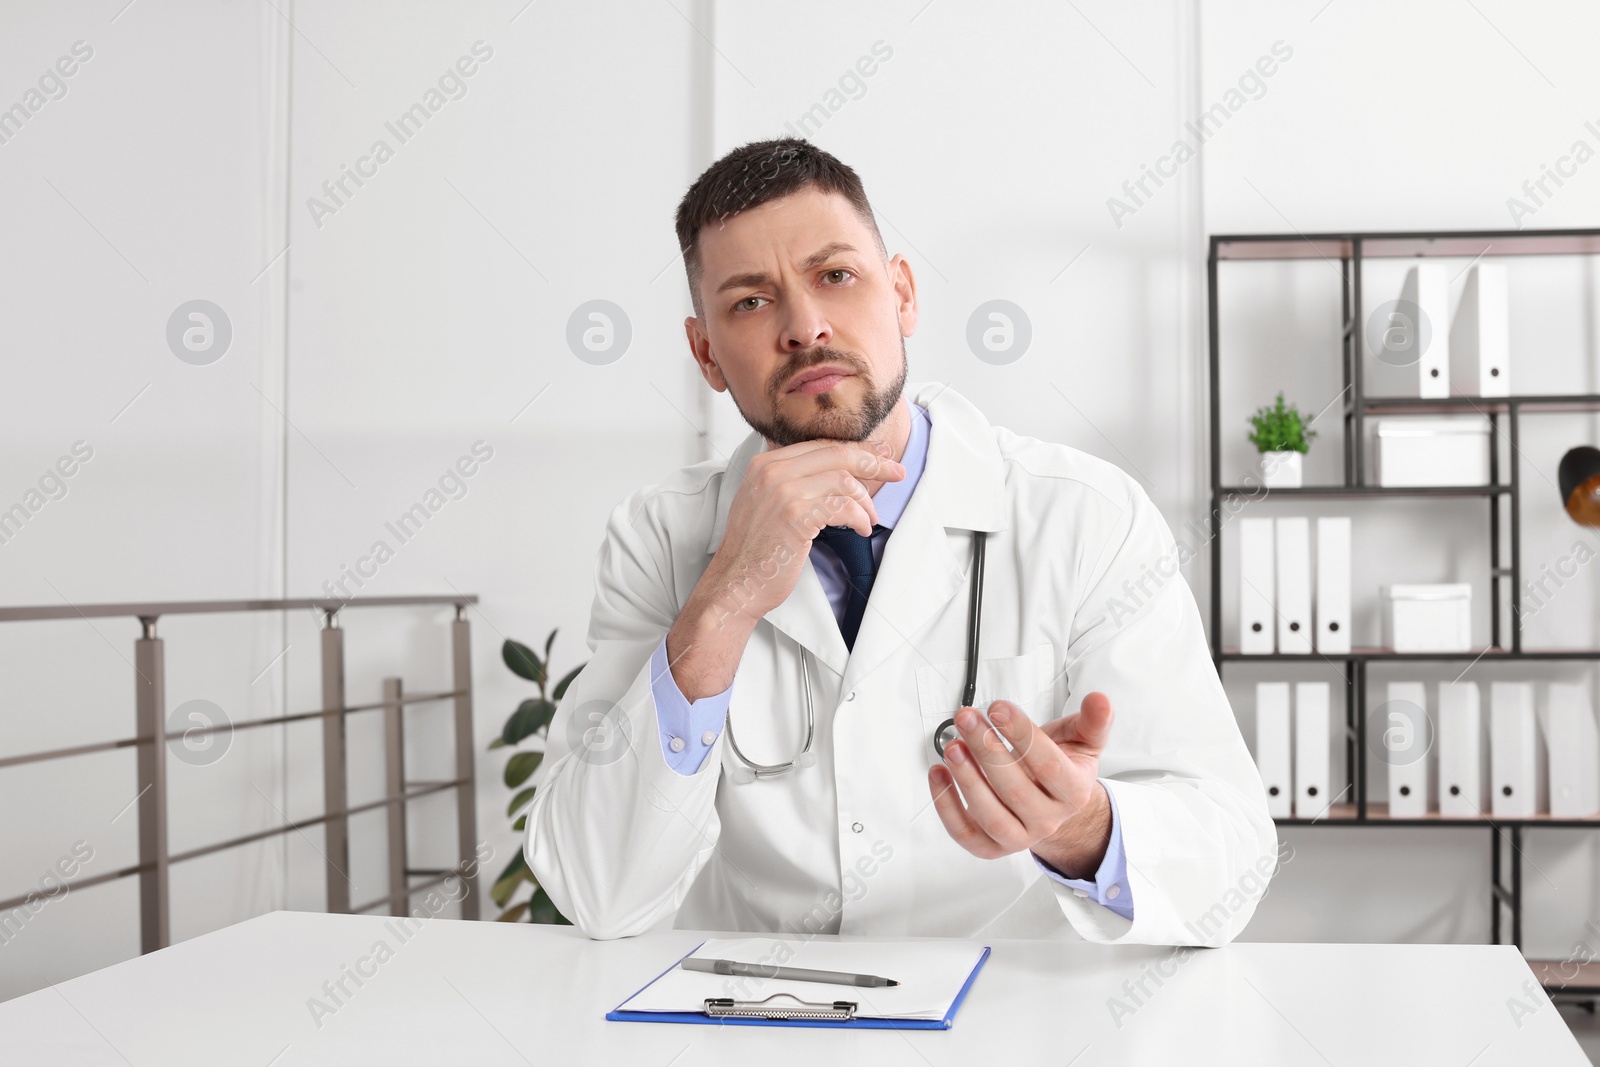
x,y
700,349
905,293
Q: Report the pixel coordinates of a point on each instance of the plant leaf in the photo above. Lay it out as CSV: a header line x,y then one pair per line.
x,y
530,715
521,823
541,909
547,643
520,766
515,874
523,661
561,687
513,913
522,797
498,742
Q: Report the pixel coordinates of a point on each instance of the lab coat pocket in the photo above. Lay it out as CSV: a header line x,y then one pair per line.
x,y
1023,680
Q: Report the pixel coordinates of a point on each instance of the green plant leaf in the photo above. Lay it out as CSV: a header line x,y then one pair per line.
x,y
515,874
541,909
547,643
561,687
498,742
523,661
522,797
531,715
513,913
520,766
521,823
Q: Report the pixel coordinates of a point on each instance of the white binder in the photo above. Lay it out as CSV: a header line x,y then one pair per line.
x,y
1312,745
1460,750
1272,746
1574,758
1480,336
1407,738
1427,286
1257,632
1294,584
1333,584
1511,741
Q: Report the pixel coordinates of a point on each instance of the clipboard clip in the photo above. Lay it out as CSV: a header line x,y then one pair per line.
x,y
727,1007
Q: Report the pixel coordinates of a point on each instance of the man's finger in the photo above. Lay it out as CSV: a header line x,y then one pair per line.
x,y
984,805
1038,753
1089,726
957,822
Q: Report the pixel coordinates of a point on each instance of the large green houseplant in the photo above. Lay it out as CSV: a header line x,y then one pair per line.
x,y
530,720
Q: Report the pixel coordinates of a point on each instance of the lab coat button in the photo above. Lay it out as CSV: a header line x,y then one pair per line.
x,y
851,695
1114,892
1080,892
676,744
857,827
708,738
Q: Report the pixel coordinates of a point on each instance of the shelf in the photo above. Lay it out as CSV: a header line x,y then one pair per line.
x,y
1232,654
1378,815
1481,405
1406,245
1374,491
1566,976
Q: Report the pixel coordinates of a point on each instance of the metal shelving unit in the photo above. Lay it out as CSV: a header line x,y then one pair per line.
x,y
1349,251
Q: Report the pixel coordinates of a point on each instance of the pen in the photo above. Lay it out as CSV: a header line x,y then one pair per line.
x,y
793,974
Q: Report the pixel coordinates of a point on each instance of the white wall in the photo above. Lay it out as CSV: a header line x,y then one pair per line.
x,y
429,312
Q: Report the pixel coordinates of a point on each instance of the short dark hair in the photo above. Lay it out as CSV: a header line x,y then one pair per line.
x,y
756,173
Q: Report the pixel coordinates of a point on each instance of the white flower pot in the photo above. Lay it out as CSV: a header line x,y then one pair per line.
x,y
1281,470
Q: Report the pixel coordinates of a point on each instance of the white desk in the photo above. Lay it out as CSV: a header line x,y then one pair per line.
x,y
492,994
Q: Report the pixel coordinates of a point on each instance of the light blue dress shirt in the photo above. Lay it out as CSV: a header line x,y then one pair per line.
x,y
688,730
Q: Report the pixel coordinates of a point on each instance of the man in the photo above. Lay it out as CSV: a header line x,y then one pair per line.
x,y
826,565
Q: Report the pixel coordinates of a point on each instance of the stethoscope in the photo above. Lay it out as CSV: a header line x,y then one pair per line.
x,y
946,731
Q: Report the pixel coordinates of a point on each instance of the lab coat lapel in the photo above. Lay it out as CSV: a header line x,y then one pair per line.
x,y
928,556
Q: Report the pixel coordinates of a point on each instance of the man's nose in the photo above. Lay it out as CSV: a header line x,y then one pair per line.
x,y
806,326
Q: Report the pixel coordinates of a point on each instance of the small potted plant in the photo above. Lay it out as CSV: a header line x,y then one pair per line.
x,y
1279,433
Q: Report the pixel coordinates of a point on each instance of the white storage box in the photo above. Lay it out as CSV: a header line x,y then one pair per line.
x,y
1413,452
1427,618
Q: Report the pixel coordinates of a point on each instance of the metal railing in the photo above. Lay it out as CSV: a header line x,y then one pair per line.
x,y
151,739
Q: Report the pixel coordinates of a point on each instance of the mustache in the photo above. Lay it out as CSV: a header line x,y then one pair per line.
x,y
815,357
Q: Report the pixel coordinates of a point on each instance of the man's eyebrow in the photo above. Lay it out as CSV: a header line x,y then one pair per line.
x,y
756,279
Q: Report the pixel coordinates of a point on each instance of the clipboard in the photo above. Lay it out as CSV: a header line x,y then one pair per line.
x,y
791,1006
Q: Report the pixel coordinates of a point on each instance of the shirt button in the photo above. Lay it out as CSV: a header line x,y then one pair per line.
x,y
708,738
1114,892
676,744
857,827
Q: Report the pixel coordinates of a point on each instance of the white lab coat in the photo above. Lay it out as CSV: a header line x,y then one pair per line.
x,y
622,842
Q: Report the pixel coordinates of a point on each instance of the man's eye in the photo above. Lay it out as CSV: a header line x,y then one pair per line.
x,y
838,270
743,305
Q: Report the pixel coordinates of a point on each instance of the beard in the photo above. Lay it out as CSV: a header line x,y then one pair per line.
x,y
832,420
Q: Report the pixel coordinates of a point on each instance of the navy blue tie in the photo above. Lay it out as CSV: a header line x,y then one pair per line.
x,y
855,552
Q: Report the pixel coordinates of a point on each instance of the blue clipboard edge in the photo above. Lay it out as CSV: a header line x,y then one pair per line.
x,y
617,1015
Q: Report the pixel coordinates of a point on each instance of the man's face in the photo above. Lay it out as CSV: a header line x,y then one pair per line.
x,y
793,285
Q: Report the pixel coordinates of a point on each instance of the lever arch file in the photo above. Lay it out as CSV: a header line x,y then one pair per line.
x,y
1272,746
1257,626
1294,584
1460,728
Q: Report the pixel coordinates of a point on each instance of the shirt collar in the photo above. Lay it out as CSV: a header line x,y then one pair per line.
x,y
892,497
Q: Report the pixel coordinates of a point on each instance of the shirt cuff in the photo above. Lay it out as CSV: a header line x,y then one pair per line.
x,y
688,730
1110,886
